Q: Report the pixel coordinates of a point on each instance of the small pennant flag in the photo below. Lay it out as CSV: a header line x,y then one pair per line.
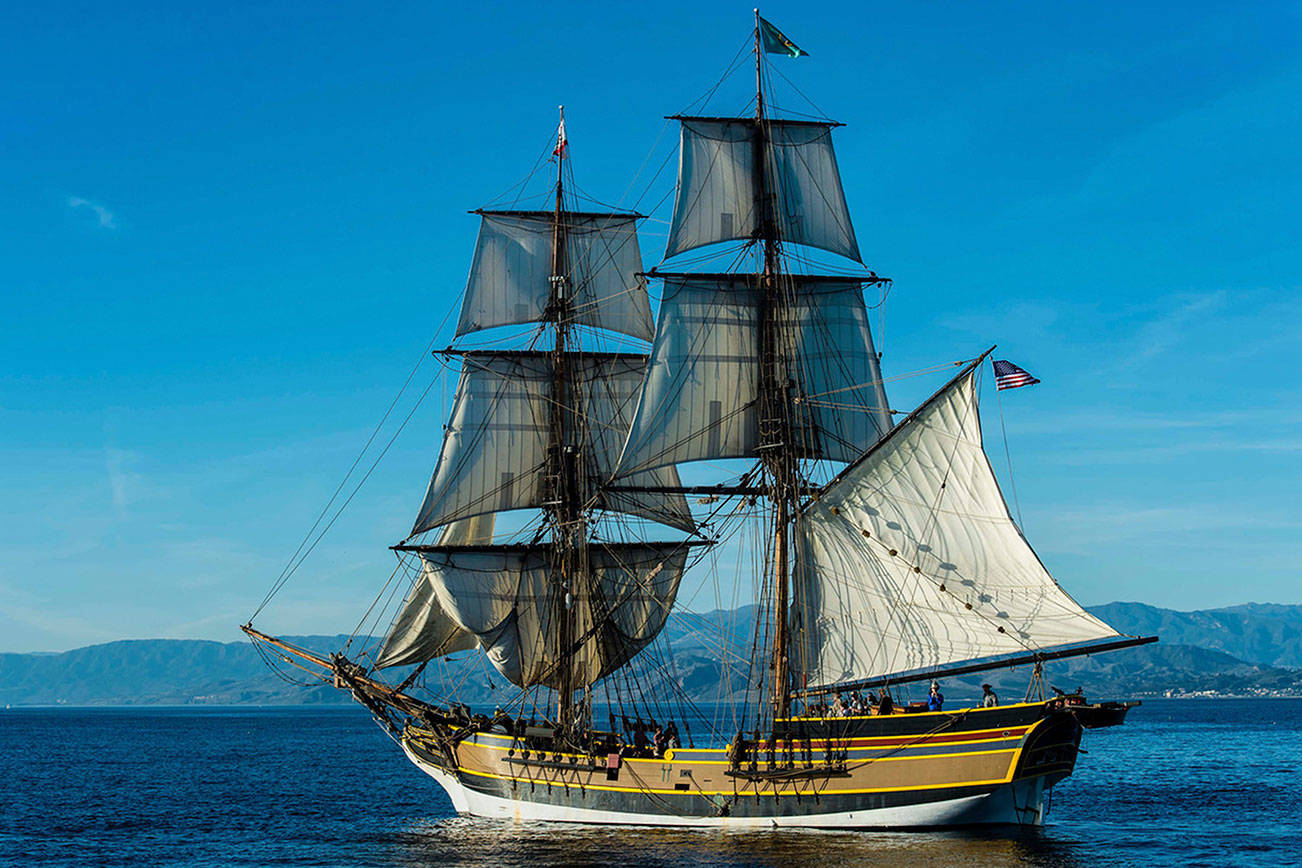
x,y
1009,376
777,43
561,141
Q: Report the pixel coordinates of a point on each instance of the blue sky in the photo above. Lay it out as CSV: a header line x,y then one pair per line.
x,y
228,231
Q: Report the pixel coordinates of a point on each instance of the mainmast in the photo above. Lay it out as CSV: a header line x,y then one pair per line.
x,y
564,506
739,360
775,445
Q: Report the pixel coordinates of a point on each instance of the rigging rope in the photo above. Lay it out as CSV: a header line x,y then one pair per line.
x,y
1008,457
294,565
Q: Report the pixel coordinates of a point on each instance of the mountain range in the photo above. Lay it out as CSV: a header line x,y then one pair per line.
x,y
1253,649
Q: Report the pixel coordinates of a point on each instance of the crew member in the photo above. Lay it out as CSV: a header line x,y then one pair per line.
x,y
886,705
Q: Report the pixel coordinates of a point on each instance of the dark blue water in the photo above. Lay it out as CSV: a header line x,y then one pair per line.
x,y
1212,782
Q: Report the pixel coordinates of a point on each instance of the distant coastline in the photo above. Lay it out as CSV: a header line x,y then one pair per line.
x,y
1242,652
348,706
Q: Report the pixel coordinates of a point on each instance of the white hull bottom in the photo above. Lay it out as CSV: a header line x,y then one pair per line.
x,y
1018,803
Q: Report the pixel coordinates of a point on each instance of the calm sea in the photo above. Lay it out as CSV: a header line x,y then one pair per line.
x,y
1185,782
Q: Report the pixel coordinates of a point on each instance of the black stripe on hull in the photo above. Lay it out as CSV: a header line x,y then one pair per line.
x,y
695,805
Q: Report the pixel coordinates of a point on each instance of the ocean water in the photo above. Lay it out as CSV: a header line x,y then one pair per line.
x,y
1184,782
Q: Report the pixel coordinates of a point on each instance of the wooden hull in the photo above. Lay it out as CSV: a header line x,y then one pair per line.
x,y
972,767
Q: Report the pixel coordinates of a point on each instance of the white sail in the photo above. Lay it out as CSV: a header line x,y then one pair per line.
x,y
422,630
718,185
506,598
494,455
700,399
495,447
910,560
611,395
510,278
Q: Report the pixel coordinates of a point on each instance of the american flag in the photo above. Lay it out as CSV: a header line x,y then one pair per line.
x,y
1009,376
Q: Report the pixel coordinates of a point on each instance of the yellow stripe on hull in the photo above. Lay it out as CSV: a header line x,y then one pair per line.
x,y
489,756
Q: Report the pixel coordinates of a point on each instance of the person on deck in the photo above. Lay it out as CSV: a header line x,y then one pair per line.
x,y
885,705
838,707
936,700
672,741
989,700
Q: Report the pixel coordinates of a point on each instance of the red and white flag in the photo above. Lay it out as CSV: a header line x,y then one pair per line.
x,y
561,141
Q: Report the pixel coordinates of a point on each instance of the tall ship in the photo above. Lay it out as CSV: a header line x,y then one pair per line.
x,y
877,554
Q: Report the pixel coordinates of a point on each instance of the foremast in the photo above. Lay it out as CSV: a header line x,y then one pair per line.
x,y
563,508
556,602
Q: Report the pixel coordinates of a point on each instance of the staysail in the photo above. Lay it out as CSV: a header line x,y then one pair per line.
x,y
504,597
511,278
495,450
910,560
722,183
701,396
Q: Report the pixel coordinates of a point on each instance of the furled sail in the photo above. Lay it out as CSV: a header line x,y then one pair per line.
x,y
495,450
511,276
720,184
422,630
505,597
700,399
910,560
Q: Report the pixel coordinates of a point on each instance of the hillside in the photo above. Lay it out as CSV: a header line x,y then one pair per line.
x,y
1268,634
1254,649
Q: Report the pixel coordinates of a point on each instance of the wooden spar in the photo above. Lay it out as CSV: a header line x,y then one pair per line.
x,y
692,489
547,215
872,278
614,547
301,653
786,122
345,675
968,668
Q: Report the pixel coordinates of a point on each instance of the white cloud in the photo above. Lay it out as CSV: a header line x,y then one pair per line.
x,y
1085,530
103,215
1173,325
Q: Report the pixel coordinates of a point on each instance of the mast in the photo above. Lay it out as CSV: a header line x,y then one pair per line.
x,y
564,506
517,438
775,382
759,72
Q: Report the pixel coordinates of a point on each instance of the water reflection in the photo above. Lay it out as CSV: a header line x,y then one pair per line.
x,y
465,841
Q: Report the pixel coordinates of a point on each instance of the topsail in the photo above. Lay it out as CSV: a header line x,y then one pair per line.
x,y
722,184
495,451
701,398
511,277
